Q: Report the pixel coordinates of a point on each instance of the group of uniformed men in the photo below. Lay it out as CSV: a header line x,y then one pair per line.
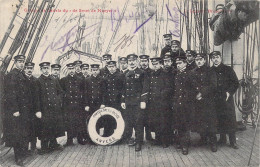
x,y
179,94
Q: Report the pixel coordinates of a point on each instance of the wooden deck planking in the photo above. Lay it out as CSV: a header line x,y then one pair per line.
x,y
123,155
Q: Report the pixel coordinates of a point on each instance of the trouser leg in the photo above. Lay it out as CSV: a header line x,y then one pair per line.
x,y
139,124
232,137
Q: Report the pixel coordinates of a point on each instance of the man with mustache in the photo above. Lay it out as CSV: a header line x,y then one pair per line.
x,y
158,91
181,104
55,71
144,63
105,58
94,94
78,71
190,55
123,64
50,110
114,86
204,119
227,84
134,109
167,47
85,70
35,125
73,88
18,107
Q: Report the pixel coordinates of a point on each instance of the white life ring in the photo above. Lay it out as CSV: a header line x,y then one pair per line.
x,y
116,136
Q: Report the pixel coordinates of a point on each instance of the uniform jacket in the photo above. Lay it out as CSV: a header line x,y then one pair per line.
x,y
50,105
95,90
18,98
204,118
114,86
227,81
133,86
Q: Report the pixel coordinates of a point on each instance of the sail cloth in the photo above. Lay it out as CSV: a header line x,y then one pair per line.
x,y
229,21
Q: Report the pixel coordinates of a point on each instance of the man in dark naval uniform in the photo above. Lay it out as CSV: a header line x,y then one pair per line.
x,y
190,55
176,51
181,103
134,78
114,85
73,108
34,121
104,71
167,47
78,72
18,106
85,70
204,118
227,84
51,111
144,64
94,92
157,90
123,64
55,71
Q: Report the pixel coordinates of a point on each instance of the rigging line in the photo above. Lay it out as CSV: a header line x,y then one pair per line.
x,y
159,29
117,26
27,18
247,49
167,18
156,23
243,67
253,56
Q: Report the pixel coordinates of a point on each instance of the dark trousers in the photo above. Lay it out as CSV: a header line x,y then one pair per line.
x,y
20,150
211,136
147,129
48,143
232,137
134,118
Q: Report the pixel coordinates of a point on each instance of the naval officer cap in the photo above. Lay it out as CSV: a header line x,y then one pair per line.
x,y
132,56
181,58
57,66
144,57
167,56
77,62
111,62
45,64
191,52
200,55
70,65
175,42
19,57
167,36
155,60
29,64
84,66
94,65
107,56
123,59
214,53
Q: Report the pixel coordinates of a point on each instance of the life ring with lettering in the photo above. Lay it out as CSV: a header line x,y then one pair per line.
x,y
118,133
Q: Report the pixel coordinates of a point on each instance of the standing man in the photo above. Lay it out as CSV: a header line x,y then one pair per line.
x,y
227,84
35,123
144,63
51,111
55,71
190,55
85,70
78,72
73,109
167,47
134,78
104,71
123,64
18,106
181,102
157,90
114,85
94,92
204,118
176,51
